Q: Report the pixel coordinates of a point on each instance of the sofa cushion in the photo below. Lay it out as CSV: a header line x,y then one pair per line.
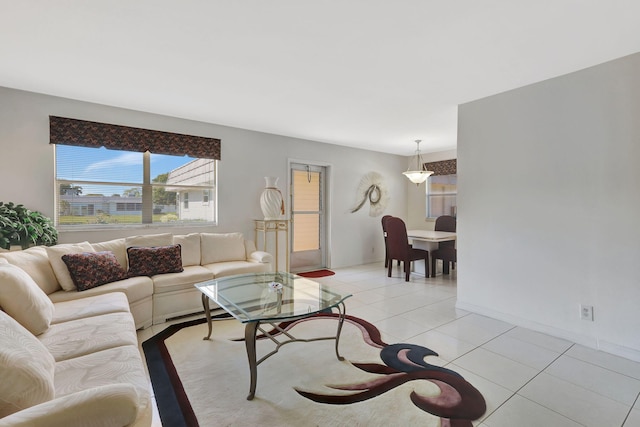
x,y
220,247
149,261
117,246
163,239
108,405
26,368
135,288
228,268
84,336
89,306
35,262
91,269
60,269
190,244
179,281
23,300
117,365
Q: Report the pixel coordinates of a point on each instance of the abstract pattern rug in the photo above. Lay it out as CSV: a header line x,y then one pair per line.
x,y
199,382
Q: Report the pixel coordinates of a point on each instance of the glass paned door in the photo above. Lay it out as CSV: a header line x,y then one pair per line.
x,y
307,217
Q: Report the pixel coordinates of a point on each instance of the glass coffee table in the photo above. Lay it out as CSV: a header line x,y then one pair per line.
x,y
271,298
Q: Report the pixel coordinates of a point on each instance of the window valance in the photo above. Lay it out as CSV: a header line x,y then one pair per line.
x,y
115,137
445,167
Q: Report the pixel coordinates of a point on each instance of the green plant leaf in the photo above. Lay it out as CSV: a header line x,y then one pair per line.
x,y
19,225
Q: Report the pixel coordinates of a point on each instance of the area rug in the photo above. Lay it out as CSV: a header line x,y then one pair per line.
x,y
206,382
316,273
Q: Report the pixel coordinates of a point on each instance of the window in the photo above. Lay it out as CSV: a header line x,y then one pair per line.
x,y
442,192
442,188
205,197
109,174
98,187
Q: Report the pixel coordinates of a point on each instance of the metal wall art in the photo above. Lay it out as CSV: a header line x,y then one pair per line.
x,y
373,189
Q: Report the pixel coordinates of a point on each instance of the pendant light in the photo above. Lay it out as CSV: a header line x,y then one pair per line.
x,y
418,175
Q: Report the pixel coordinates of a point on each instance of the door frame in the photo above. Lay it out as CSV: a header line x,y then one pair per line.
x,y
328,185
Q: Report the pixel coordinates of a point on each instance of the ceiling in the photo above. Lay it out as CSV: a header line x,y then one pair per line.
x,y
373,74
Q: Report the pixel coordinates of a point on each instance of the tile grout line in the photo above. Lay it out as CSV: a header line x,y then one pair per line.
x,y
630,410
540,371
529,381
603,367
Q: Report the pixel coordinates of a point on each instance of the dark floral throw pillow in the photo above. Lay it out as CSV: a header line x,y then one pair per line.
x,y
91,269
148,261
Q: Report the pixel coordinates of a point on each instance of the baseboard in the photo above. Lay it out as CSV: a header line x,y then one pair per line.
x,y
157,320
620,350
184,316
587,341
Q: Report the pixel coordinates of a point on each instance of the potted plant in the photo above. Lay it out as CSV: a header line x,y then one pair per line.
x,y
21,226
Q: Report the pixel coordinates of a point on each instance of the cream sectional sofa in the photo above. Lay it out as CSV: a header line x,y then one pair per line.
x,y
152,299
71,357
72,363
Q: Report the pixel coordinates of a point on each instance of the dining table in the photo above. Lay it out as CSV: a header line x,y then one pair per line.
x,y
428,240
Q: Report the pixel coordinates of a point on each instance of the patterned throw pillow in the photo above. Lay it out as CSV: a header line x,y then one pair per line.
x,y
154,260
91,269
54,253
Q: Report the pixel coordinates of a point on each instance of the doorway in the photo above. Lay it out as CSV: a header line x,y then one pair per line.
x,y
308,217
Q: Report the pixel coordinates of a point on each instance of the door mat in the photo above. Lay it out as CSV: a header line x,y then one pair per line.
x,y
317,273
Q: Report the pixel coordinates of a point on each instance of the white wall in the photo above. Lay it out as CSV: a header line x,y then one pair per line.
x,y
549,202
27,171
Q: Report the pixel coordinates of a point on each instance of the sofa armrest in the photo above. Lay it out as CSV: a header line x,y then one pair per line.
x,y
261,257
108,405
255,255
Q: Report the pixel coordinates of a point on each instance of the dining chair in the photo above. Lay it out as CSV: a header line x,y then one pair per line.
x,y
384,234
446,250
400,249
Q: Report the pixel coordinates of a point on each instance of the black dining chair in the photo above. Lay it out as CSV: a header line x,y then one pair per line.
x,y
400,249
446,250
384,234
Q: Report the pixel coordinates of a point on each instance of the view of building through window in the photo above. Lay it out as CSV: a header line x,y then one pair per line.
x,y
101,187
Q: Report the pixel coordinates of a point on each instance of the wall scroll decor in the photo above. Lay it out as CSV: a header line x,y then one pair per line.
x,y
373,189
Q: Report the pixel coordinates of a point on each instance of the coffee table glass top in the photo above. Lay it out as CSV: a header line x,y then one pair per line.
x,y
270,296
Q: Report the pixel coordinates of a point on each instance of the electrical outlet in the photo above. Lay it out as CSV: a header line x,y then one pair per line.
x,y
586,312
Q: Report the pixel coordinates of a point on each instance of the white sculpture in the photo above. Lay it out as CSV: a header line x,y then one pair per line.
x,y
271,200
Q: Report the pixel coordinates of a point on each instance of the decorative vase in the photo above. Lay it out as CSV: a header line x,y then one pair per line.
x,y
271,200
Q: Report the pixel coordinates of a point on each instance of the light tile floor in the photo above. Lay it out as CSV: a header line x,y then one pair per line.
x,y
527,378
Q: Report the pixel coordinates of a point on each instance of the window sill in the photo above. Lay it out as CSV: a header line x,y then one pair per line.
x,y
107,227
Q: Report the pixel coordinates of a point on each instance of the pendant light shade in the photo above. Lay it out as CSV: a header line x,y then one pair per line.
x,y
418,175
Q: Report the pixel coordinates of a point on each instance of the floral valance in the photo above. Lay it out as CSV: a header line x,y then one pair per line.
x,y
115,137
445,167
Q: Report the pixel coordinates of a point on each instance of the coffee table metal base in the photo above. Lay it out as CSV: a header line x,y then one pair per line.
x,y
250,332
